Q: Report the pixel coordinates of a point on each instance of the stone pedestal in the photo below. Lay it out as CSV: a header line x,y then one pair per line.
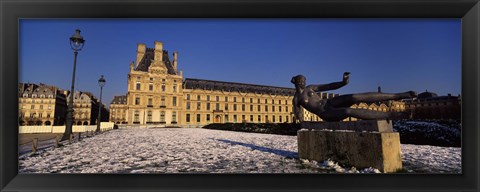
x,y
359,148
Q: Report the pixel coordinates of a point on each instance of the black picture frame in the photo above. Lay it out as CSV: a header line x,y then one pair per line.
x,y
12,11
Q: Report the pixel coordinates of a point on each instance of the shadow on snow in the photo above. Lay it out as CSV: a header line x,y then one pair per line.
x,y
288,154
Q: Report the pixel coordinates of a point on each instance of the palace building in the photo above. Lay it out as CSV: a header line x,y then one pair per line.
x,y
41,104
157,93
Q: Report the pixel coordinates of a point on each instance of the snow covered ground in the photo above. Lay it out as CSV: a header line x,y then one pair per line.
x,y
190,150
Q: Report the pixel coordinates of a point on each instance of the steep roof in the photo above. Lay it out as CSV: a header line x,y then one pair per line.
x,y
240,87
122,99
147,61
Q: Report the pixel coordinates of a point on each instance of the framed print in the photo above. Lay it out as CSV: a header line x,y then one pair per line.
x,y
248,95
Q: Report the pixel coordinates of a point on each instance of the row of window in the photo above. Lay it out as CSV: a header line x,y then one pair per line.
x,y
163,87
252,119
33,107
35,96
136,116
35,115
37,101
162,101
226,99
243,106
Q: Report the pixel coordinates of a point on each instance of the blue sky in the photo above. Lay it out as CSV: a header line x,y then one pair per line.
x,y
396,54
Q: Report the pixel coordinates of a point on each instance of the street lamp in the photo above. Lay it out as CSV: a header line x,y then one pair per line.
x,y
101,83
76,43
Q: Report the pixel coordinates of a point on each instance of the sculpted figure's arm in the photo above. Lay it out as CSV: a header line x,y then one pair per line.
x,y
332,86
297,112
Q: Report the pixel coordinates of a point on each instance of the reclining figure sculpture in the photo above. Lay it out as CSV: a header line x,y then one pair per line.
x,y
338,108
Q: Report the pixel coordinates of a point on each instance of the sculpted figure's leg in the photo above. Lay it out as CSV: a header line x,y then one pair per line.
x,y
350,99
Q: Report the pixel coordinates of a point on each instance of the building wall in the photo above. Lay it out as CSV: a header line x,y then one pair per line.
x,y
151,94
205,106
41,105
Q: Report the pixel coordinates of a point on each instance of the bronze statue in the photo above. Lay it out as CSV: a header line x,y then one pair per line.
x,y
338,108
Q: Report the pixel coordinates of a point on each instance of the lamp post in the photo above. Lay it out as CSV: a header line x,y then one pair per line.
x,y
76,43
101,83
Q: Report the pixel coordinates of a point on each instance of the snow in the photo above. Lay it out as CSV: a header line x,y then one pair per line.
x,y
193,150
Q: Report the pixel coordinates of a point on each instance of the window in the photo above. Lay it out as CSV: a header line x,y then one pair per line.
x,y
251,107
188,105
162,101
41,106
174,116
198,118
251,118
217,98
163,87
188,96
137,100
280,118
150,86
208,106
258,100
175,88
208,97
273,101
32,107
286,118
40,115
48,115
273,108
226,107
243,107
266,101
217,106
162,116
259,118
251,100
235,107
149,116
198,97
32,115
150,101
226,99
280,108
258,107
208,117
286,108
138,86
266,118
234,118
243,118
199,105
136,117
273,118
187,118
266,108
234,99
226,118
174,101
243,100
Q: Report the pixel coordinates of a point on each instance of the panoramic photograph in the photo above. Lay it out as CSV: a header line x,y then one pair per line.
x,y
316,96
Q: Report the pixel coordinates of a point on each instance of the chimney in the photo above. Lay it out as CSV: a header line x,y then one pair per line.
x,y
158,51
379,89
141,48
175,60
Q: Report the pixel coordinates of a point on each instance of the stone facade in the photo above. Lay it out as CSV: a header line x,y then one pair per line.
x,y
85,106
429,105
118,109
41,105
157,93
47,105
